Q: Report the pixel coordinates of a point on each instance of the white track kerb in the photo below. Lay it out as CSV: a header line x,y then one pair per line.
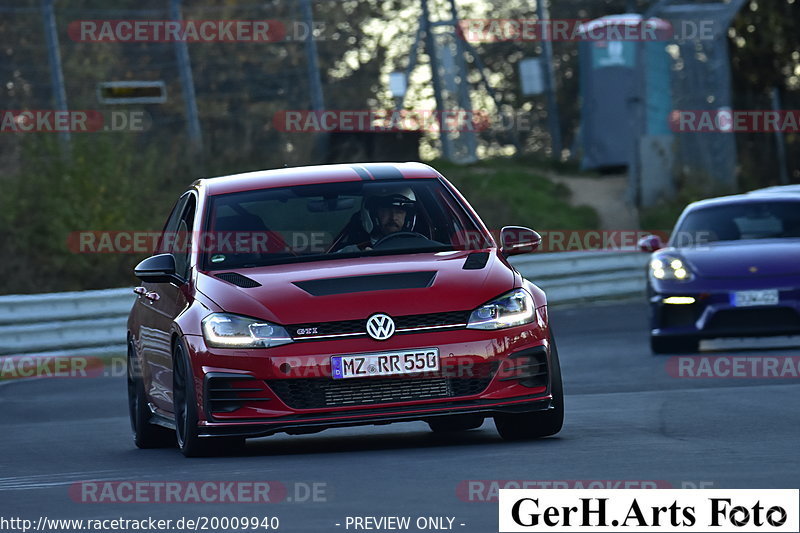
x,y
93,322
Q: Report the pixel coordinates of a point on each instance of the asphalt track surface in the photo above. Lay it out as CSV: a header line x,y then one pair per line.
x,y
627,418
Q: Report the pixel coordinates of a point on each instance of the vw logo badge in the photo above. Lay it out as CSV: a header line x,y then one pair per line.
x,y
380,327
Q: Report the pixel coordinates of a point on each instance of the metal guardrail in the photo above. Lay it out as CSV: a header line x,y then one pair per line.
x,y
574,277
94,321
65,321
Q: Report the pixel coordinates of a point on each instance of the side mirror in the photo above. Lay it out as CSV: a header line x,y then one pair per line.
x,y
518,240
158,269
650,244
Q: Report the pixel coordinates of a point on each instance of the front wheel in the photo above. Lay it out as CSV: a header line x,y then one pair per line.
x,y
185,405
525,426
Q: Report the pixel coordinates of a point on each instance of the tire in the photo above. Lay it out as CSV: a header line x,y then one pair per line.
x,y
538,424
455,423
185,406
145,434
661,345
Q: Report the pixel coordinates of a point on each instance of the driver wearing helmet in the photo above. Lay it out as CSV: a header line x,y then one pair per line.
x,y
390,210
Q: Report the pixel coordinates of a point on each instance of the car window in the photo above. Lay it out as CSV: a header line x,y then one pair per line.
x,y
183,243
298,223
458,224
333,220
744,221
166,241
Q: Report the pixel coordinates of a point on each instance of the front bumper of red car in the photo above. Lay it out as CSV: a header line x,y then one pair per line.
x,y
289,388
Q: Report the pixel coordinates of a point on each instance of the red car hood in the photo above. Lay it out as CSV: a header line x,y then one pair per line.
x,y
281,299
745,258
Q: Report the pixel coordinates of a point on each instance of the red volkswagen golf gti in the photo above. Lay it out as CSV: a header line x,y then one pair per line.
x,y
301,299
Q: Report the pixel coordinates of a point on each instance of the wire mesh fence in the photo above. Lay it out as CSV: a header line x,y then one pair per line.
x,y
243,86
240,84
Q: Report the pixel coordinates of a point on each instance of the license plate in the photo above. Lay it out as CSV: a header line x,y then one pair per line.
x,y
753,298
385,363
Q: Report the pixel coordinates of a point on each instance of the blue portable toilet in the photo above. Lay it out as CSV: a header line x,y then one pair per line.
x,y
608,81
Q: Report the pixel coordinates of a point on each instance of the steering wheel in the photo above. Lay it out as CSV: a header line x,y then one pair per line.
x,y
407,234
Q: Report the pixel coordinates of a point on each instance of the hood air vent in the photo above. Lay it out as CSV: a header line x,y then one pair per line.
x,y
379,282
238,279
476,261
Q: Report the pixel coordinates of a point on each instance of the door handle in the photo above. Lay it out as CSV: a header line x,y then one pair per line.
x,y
152,296
140,291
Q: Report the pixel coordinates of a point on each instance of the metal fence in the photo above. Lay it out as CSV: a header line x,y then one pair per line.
x,y
238,86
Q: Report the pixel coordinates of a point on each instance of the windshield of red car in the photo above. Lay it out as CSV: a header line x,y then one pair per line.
x,y
740,221
335,220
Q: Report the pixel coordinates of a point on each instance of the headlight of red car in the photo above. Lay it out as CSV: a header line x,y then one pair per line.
x,y
224,330
512,309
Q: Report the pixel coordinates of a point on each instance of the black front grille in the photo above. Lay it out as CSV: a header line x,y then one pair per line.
x,y
432,319
755,320
315,393
468,386
226,394
314,329
528,367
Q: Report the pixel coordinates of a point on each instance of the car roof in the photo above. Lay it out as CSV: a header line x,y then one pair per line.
x,y
292,176
792,189
745,198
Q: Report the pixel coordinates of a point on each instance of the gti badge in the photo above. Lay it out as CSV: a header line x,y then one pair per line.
x,y
380,327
